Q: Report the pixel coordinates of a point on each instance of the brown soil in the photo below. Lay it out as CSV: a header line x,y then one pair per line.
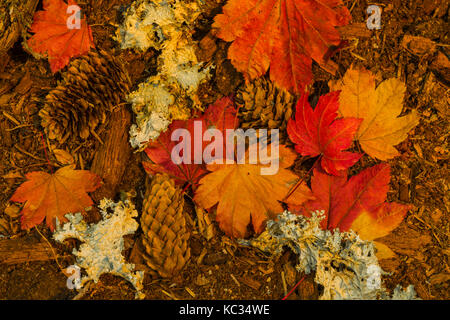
x,y
420,176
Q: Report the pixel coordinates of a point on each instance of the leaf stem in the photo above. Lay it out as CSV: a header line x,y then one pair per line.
x,y
300,181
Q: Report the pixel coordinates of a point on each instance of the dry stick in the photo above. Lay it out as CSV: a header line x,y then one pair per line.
x,y
27,153
46,155
51,248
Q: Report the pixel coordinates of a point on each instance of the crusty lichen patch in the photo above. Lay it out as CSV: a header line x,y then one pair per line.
x,y
165,25
345,265
101,250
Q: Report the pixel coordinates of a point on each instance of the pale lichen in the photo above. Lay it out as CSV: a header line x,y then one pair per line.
x,y
102,243
346,266
171,94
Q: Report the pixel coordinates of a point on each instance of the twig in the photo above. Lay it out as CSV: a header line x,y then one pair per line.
x,y
97,137
169,295
83,291
190,292
11,118
51,248
28,154
235,280
45,152
18,127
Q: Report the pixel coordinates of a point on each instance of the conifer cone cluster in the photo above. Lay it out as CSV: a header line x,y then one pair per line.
x,y
165,236
90,88
264,106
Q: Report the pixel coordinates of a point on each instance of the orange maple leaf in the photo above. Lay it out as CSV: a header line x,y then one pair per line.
x,y
283,34
246,196
379,223
53,37
52,196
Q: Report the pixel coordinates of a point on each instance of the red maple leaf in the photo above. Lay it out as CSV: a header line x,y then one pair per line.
x,y
318,133
283,34
345,200
221,116
53,37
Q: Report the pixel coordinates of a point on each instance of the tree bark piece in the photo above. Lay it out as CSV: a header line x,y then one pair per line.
x,y
16,17
14,251
110,160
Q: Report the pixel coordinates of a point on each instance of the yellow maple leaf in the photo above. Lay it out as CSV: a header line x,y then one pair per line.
x,y
244,195
380,107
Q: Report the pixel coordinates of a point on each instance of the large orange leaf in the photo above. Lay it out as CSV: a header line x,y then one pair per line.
x,y
53,37
245,196
283,34
379,108
318,133
52,196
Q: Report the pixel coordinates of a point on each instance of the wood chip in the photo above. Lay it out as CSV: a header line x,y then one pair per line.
x,y
12,210
63,157
201,256
418,46
355,31
268,271
252,283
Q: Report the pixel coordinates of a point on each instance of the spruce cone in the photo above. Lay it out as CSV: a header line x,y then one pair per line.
x,y
163,223
264,106
15,18
90,88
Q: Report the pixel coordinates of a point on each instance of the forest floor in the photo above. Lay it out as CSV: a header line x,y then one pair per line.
x,y
420,176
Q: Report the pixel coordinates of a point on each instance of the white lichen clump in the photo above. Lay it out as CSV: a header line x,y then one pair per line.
x,y
165,25
101,250
345,265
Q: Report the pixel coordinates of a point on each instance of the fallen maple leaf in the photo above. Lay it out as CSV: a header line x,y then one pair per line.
x,y
52,196
221,115
245,196
357,203
283,34
379,223
318,133
53,37
380,130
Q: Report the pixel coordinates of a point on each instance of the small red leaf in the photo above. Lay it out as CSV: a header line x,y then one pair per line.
x,y
318,133
221,115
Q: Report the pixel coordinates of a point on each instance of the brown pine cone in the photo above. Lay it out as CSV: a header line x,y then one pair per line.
x,y
15,18
163,223
90,88
264,106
